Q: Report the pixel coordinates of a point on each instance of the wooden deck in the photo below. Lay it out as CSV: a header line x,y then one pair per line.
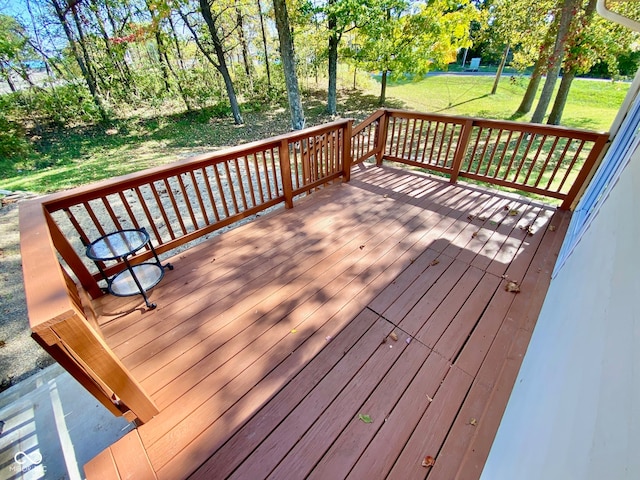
x,y
270,340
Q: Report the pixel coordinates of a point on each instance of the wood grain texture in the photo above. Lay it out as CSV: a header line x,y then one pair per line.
x,y
272,349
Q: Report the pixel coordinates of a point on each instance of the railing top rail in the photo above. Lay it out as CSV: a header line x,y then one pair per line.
x,y
368,121
60,200
47,301
507,124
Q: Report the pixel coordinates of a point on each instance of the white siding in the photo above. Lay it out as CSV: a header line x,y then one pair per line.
x,y
574,412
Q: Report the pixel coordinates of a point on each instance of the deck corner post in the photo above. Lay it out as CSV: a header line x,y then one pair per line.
x,y
94,356
381,137
347,154
461,149
285,172
586,172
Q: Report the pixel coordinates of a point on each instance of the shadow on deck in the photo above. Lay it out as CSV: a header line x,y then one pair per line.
x,y
335,342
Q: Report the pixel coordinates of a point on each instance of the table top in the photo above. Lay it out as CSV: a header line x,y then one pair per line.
x,y
116,245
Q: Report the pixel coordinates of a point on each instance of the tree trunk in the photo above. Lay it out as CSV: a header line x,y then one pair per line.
x,y
532,89
222,62
176,43
500,69
571,70
289,64
84,68
383,88
333,62
243,43
561,98
555,62
264,44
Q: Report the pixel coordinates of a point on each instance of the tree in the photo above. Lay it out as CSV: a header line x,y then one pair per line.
x,y
289,64
567,13
344,16
78,47
13,44
593,40
412,39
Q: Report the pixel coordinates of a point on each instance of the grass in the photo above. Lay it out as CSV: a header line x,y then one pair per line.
x,y
592,104
74,156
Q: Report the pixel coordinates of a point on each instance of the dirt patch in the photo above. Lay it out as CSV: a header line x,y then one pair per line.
x,y
20,355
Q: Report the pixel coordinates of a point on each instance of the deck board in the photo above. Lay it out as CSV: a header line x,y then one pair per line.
x,y
270,339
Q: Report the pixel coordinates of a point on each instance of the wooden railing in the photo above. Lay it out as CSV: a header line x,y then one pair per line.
x,y
183,201
545,160
176,204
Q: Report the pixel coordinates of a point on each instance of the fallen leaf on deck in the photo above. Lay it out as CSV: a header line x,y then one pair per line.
x,y
428,461
393,336
513,213
361,247
429,398
473,422
552,228
470,217
365,418
528,229
506,207
475,234
435,262
512,287
294,330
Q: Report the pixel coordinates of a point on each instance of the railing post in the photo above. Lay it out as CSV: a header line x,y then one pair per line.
x,y
381,137
347,157
585,171
461,149
91,352
285,172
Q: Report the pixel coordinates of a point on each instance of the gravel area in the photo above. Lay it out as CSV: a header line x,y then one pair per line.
x,y
20,355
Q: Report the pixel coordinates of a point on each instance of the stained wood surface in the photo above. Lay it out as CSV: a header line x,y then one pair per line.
x,y
383,299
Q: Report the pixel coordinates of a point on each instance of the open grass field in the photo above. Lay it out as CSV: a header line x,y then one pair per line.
x,y
79,155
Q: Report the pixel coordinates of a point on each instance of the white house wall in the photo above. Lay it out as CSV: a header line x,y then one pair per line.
x,y
574,412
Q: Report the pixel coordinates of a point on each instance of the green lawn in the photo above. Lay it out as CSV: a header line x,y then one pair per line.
x,y
75,156
592,104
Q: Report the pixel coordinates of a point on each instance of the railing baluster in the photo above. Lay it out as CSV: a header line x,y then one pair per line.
x,y
426,141
174,204
534,160
127,207
212,198
112,215
221,192
240,184
267,178
145,209
524,158
258,177
275,170
94,218
494,149
196,187
187,201
570,167
461,149
546,162
167,223
513,155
